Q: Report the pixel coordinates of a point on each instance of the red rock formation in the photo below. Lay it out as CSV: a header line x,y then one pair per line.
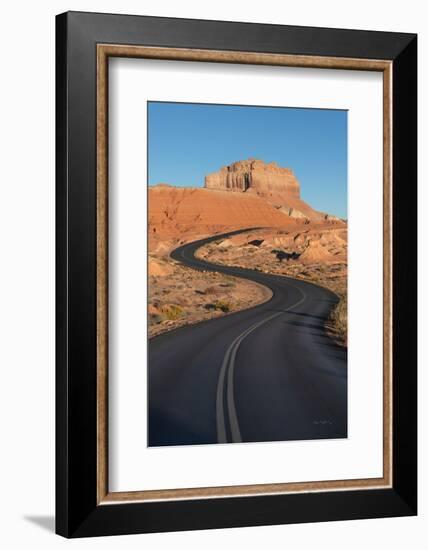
x,y
247,193
186,213
254,175
277,185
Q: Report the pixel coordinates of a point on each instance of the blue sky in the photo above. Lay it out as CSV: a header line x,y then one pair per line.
x,y
186,141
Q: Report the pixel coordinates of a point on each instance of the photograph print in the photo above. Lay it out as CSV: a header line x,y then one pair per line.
x,y
247,274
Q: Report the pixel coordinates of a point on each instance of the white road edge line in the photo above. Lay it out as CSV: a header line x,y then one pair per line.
x,y
228,365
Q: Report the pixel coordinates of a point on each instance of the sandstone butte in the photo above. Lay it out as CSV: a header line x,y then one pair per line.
x,y
249,193
279,186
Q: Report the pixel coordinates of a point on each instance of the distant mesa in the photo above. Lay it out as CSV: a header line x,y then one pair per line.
x,y
254,175
247,193
276,184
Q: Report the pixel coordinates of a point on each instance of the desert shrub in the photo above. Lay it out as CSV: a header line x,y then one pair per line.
x,y
156,318
222,305
339,318
172,312
211,290
219,305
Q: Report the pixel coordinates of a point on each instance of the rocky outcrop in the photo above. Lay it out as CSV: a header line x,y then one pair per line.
x,y
292,212
331,218
278,185
254,175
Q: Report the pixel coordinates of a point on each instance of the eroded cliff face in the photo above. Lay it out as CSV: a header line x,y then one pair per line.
x,y
277,185
255,175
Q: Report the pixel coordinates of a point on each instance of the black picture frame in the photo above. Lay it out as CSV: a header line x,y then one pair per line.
x,y
77,511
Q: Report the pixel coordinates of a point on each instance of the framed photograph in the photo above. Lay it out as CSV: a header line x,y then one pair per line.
x,y
236,274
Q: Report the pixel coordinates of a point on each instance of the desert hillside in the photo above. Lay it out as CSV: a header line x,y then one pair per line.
x,y
291,239
178,213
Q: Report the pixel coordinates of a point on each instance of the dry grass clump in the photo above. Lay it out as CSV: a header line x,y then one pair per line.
x,y
219,305
211,290
156,318
172,312
223,305
339,318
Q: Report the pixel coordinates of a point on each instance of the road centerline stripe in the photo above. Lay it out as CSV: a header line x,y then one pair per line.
x,y
226,374
228,366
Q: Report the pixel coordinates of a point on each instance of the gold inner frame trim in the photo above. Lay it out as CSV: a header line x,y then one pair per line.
x,y
104,51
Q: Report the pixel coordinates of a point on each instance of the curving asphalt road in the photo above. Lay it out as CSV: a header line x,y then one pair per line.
x,y
269,373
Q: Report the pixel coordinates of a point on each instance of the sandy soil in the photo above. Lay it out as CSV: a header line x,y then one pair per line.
x,y
179,295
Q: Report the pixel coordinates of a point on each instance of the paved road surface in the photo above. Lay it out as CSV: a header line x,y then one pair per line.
x,y
269,373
